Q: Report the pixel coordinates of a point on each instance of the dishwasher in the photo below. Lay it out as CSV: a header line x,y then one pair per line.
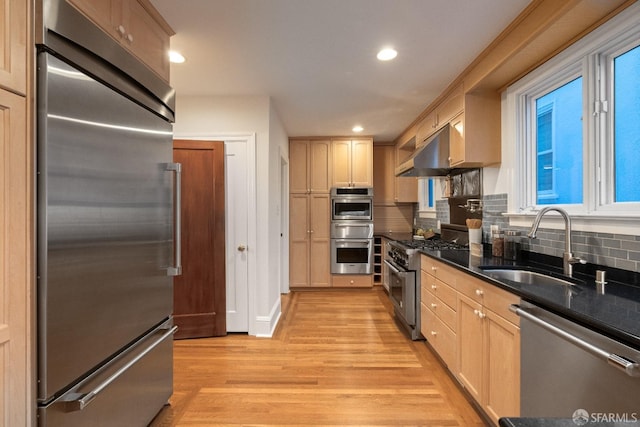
x,y
567,369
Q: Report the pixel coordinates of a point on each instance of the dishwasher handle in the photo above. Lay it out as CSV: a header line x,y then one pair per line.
x,y
630,367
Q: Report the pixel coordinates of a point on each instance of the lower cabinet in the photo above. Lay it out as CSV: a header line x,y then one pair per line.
x,y
352,280
468,323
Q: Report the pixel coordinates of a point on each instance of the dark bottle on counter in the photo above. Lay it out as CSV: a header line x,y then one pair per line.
x,y
511,244
497,244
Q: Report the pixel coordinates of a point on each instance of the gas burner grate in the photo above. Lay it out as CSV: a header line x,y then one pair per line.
x,y
435,244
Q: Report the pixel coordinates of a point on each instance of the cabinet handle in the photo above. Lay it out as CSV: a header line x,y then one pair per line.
x,y
310,231
434,305
434,268
479,313
120,29
351,281
434,287
129,38
479,292
434,333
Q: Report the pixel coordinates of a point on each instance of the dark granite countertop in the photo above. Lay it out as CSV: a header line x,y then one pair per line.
x,y
616,313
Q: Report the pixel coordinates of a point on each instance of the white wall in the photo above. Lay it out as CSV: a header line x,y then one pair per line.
x,y
208,115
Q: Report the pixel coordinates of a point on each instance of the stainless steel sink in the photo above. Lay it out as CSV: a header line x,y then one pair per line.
x,y
525,276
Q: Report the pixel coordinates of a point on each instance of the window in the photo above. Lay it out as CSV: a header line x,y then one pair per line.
x,y
577,125
626,140
426,195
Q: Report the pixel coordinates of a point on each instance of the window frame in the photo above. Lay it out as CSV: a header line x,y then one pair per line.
x,y
592,58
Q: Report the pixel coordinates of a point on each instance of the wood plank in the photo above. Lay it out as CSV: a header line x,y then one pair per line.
x,y
337,358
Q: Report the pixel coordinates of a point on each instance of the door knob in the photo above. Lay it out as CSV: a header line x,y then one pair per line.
x,y
242,248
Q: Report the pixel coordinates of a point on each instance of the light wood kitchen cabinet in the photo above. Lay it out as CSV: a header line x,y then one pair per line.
x,y
309,166
438,305
13,41
309,246
389,189
136,25
352,280
352,164
468,323
16,217
478,141
489,347
451,106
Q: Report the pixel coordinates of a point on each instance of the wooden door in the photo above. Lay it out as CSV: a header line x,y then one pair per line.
x,y
320,249
341,164
199,305
502,367
384,176
319,170
13,45
299,230
299,167
362,163
16,265
470,346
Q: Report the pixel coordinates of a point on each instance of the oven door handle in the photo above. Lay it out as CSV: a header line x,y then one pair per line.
x,y
394,269
630,367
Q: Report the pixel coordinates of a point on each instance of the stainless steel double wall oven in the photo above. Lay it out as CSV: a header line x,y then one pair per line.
x,y
351,230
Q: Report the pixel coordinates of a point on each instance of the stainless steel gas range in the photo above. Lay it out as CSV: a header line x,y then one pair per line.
x,y
403,261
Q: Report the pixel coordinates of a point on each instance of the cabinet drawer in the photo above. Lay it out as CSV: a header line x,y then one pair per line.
x,y
473,288
352,280
441,338
439,270
493,298
446,293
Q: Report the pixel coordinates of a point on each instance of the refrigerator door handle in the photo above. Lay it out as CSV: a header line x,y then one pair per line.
x,y
176,270
77,401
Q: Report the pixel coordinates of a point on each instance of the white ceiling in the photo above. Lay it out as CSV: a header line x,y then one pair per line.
x,y
316,59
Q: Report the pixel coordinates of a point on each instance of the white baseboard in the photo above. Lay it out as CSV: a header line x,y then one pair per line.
x,y
265,325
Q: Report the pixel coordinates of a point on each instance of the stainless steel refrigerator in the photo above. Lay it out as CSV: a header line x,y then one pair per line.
x,y
106,197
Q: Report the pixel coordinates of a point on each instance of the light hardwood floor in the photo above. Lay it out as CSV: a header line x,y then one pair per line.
x,y
337,358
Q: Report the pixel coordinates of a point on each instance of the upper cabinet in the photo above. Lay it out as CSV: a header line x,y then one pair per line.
x,y
451,106
309,166
476,139
136,25
352,162
389,189
13,42
475,118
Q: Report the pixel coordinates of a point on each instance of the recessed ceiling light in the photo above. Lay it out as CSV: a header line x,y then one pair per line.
x,y
387,54
357,128
176,57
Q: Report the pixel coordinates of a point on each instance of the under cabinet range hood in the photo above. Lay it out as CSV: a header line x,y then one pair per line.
x,y
431,158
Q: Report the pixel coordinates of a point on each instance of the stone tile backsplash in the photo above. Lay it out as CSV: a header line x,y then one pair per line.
x,y
613,250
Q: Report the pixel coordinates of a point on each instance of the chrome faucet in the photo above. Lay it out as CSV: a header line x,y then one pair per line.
x,y
567,257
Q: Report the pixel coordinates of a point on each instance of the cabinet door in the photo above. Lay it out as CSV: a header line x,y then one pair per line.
x,y
457,143
384,174
105,14
16,266
362,163
145,38
299,167
319,259
450,107
341,164
319,165
502,367
299,240
13,42
470,346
